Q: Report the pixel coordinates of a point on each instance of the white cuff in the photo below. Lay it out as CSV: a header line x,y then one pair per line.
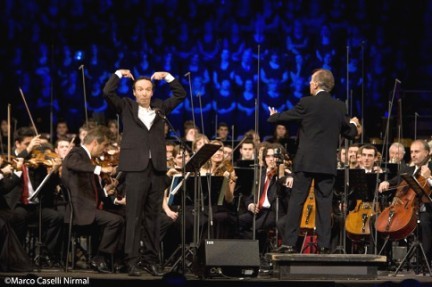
x,y
97,170
119,74
354,123
169,78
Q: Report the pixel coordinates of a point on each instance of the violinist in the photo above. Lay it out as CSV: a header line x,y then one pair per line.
x,y
80,177
27,209
170,223
222,215
13,256
420,166
273,183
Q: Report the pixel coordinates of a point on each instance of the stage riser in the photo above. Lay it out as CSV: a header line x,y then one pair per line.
x,y
325,266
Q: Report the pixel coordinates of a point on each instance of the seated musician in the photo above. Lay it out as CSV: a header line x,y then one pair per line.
x,y
79,176
170,219
223,216
272,185
13,257
25,203
420,167
369,157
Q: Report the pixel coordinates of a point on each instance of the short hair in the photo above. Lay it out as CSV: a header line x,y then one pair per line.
x,y
99,133
370,146
143,78
24,132
223,124
324,78
425,144
247,141
399,146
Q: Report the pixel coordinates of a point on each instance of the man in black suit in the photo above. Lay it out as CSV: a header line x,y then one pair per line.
x,y
79,176
23,201
322,119
272,185
421,167
143,159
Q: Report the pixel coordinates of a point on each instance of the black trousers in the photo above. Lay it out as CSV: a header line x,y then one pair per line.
x,y
323,195
52,225
144,194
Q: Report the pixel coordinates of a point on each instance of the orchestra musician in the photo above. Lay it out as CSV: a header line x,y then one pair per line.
x,y
274,183
26,208
222,214
80,177
421,166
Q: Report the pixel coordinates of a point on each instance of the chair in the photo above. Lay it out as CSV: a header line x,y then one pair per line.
x,y
74,232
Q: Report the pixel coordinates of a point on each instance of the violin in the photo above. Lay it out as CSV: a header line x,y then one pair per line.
x,y
307,221
42,156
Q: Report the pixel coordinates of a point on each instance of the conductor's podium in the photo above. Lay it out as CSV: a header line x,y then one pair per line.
x,y
325,266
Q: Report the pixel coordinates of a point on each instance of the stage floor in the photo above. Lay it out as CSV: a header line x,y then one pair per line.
x,y
52,277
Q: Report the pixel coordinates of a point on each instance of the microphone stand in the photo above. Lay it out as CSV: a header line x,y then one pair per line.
x,y
183,196
257,174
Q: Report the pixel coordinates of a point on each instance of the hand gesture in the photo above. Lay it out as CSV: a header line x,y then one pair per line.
x,y
272,110
126,74
159,76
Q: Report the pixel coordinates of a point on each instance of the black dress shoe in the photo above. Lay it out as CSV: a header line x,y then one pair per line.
x,y
134,271
120,268
152,269
99,265
288,249
323,250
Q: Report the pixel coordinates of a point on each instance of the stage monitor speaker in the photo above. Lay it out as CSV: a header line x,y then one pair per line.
x,y
228,258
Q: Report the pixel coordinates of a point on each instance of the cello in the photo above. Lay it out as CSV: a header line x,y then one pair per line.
x,y
399,219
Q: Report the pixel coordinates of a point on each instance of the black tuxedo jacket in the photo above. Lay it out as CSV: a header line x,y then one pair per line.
x,y
78,176
137,140
274,189
322,119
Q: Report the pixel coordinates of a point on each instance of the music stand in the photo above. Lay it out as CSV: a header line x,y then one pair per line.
x,y
422,195
39,244
193,165
244,185
361,186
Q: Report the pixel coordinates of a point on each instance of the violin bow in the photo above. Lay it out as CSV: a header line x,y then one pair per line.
x,y
9,133
84,92
28,111
188,75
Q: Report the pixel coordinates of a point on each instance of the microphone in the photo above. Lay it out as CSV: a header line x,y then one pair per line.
x,y
80,67
187,74
397,81
160,113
